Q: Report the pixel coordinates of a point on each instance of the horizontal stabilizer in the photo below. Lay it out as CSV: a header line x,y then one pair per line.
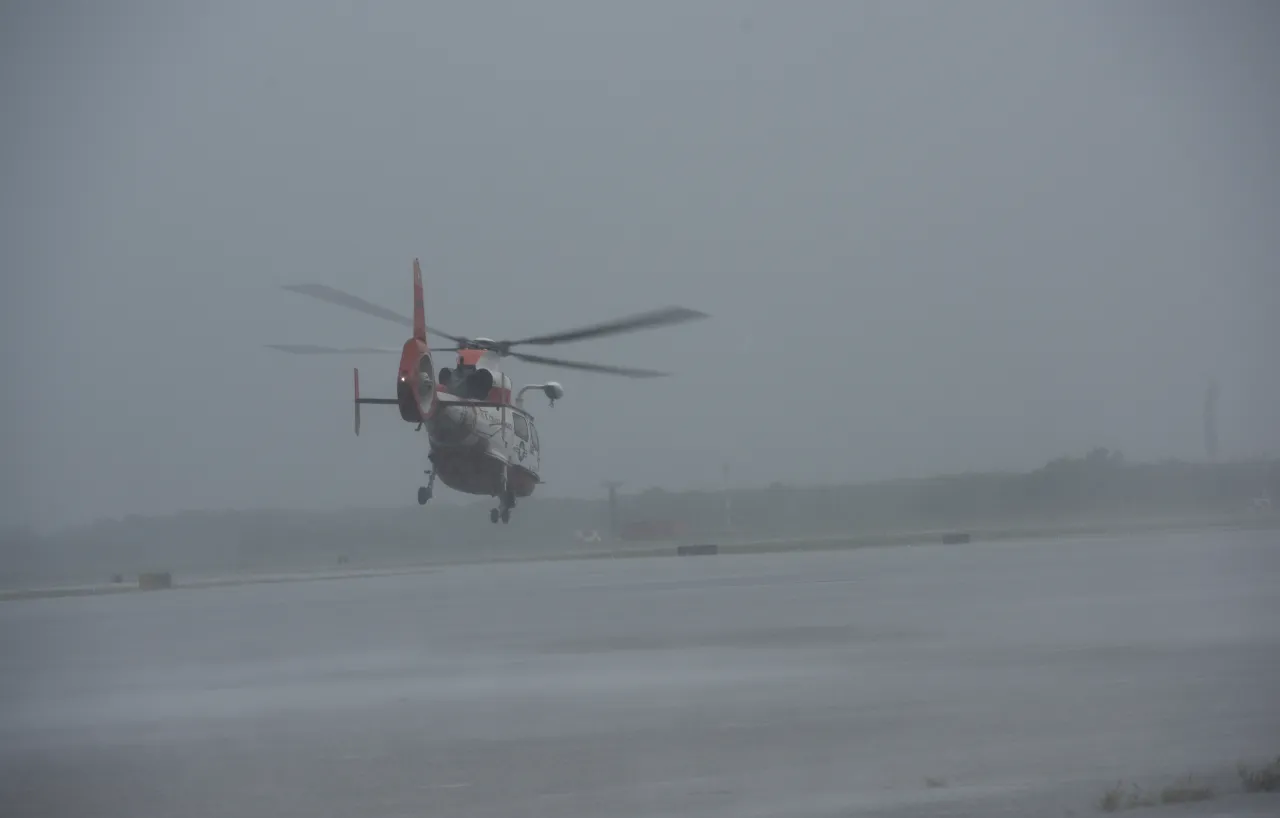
x,y
359,400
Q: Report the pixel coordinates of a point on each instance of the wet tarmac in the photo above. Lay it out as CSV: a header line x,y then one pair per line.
x,y
983,679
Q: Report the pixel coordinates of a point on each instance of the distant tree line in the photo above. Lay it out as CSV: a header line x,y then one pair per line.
x,y
1098,485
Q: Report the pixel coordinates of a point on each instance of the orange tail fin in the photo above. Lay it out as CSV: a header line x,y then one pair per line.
x,y
419,309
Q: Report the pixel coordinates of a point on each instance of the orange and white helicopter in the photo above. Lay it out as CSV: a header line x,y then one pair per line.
x,y
480,440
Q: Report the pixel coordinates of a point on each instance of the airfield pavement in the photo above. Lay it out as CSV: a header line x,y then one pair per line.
x,y
1023,678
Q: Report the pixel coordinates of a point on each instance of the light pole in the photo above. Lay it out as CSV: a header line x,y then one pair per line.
x,y
613,486
1211,421
728,503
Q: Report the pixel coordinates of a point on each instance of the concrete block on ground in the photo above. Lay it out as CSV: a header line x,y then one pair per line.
x,y
155,581
702,550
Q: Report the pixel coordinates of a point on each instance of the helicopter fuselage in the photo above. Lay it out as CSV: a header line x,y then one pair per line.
x,y
483,447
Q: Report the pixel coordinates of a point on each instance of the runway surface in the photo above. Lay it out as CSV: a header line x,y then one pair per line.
x,y
1022,678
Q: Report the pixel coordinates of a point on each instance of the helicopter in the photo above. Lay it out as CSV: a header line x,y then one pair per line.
x,y
481,440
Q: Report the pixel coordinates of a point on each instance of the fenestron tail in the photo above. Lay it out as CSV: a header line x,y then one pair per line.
x,y
419,309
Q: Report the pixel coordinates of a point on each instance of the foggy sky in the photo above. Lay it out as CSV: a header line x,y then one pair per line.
x,y
932,236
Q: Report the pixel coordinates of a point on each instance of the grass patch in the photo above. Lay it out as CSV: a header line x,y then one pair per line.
x,y
1186,791
1121,797
1263,779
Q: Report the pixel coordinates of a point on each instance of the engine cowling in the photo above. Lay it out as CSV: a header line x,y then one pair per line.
x,y
453,424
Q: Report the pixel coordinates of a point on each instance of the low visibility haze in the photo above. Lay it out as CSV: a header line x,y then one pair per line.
x,y
931,237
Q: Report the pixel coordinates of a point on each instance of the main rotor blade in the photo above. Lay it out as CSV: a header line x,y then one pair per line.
x,y
326,293
332,295
314,349
602,368
653,318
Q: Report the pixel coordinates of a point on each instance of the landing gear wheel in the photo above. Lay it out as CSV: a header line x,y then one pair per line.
x,y
506,516
493,515
425,492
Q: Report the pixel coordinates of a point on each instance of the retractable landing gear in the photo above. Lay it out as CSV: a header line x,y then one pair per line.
x,y
503,511
506,502
424,492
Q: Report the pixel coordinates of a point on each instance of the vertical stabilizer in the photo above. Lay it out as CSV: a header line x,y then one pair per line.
x,y
419,308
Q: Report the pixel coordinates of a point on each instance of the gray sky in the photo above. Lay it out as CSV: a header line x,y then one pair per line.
x,y
932,236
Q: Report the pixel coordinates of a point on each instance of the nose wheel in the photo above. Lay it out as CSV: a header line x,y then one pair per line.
x,y
506,502
424,492
503,511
